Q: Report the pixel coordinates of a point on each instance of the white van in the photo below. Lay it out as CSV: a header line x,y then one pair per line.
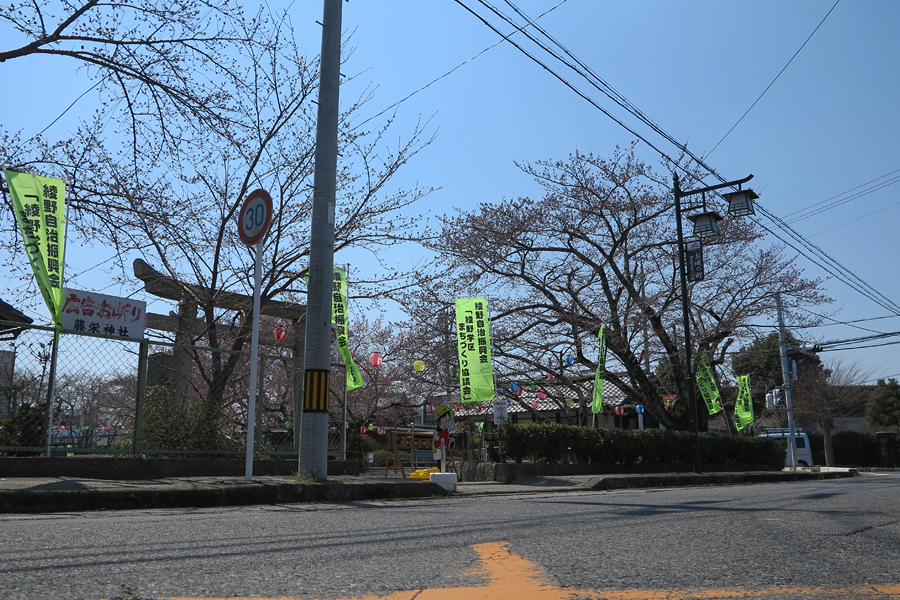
x,y
802,451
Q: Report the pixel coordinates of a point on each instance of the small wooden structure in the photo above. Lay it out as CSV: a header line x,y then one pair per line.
x,y
407,440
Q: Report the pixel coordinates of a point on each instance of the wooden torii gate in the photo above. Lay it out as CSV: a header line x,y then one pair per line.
x,y
185,325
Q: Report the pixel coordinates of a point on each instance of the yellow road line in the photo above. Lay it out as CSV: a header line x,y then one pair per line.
x,y
511,577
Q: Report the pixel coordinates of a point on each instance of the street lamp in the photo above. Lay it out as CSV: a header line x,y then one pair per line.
x,y
705,225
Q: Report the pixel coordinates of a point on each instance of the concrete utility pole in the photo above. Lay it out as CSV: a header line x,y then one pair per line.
x,y
786,374
313,458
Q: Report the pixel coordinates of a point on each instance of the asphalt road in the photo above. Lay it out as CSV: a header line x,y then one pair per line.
x,y
828,539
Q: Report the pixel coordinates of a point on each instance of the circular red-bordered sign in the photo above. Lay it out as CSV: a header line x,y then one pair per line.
x,y
255,216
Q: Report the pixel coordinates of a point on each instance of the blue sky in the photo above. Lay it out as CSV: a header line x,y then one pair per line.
x,y
827,126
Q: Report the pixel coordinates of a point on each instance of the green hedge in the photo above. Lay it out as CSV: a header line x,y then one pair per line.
x,y
552,443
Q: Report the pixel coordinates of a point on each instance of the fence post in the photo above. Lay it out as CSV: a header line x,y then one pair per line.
x,y
143,359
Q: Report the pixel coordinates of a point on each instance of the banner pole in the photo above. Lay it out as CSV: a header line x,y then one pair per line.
x,y
51,391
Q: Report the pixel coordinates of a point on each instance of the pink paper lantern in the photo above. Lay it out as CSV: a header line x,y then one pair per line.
x,y
375,359
542,395
534,405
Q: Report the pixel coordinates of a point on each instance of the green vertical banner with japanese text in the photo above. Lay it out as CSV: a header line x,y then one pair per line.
x,y
473,338
708,388
39,204
597,405
743,407
340,318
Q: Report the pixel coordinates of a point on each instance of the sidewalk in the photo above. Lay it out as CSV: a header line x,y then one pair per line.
x,y
49,495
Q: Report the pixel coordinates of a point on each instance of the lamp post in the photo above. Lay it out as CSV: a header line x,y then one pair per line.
x,y
740,203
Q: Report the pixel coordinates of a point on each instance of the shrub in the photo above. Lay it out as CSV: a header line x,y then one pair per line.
x,y
552,443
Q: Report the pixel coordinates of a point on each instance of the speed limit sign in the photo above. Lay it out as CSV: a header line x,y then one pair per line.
x,y
255,217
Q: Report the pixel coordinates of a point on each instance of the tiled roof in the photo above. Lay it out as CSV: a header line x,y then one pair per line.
x,y
555,392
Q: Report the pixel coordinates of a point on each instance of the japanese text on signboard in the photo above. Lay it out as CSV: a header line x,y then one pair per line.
x,y
89,312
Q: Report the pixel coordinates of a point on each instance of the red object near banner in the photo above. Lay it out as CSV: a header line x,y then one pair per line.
x,y
619,410
534,405
375,359
478,408
280,334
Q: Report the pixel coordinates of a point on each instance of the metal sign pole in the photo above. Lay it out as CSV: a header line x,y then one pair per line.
x,y
254,359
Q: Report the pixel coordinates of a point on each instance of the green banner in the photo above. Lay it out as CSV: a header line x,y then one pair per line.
x,y
707,385
39,204
339,316
473,338
743,407
597,405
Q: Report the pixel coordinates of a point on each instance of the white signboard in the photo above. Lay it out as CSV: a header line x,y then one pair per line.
x,y
501,412
89,312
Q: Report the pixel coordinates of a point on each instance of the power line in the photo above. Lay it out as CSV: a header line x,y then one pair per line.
x,y
857,218
810,250
465,62
811,210
774,80
836,322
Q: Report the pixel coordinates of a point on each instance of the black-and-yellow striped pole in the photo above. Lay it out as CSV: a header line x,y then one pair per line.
x,y
316,397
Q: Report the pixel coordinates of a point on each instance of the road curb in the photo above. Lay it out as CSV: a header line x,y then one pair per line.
x,y
52,501
688,479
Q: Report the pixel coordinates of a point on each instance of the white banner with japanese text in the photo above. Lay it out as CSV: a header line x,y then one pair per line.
x,y
90,312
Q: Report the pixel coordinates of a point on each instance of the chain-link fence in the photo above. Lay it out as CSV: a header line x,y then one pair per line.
x,y
126,397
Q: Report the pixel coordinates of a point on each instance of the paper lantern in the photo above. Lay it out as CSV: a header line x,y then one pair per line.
x,y
457,408
534,405
375,359
419,366
515,387
542,395
619,410
570,360
280,334
639,408
371,427
550,376
478,408
431,408
381,431
362,429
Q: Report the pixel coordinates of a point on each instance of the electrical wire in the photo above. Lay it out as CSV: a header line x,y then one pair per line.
x,y
811,210
465,62
800,244
874,212
836,322
774,80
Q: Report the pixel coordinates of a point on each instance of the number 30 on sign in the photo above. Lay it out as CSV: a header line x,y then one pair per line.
x,y
255,217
